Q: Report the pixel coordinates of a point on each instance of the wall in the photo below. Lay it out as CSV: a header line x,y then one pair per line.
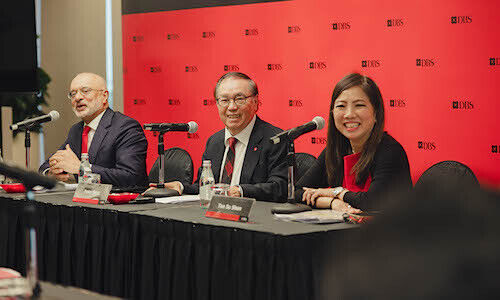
x,y
73,41
437,64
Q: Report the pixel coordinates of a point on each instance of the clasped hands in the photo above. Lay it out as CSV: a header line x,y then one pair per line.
x,y
63,164
322,198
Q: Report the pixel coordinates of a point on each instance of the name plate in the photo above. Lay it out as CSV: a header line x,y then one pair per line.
x,y
93,193
230,208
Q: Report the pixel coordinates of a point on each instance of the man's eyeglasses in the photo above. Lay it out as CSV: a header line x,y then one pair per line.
x,y
85,91
238,100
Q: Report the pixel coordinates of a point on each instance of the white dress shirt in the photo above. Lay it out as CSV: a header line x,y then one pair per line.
x,y
93,127
240,149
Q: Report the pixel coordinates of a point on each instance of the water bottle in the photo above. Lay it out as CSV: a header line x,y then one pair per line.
x,y
206,182
85,170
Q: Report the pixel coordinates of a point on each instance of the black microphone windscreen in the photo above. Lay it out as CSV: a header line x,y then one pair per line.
x,y
28,178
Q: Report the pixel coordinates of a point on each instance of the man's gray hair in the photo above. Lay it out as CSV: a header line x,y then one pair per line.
x,y
237,75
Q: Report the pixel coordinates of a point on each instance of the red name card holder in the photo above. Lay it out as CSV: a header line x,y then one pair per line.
x,y
230,208
13,188
93,193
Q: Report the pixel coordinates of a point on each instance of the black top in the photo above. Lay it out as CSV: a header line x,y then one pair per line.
x,y
390,169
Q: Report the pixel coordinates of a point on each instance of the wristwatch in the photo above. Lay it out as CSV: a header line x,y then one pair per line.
x,y
337,191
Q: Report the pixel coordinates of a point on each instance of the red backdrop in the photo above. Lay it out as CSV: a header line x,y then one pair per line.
x,y
437,64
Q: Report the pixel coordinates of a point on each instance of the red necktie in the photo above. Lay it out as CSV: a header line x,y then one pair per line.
x,y
229,165
85,139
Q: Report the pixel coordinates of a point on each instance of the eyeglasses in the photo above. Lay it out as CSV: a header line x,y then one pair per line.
x,y
238,100
85,91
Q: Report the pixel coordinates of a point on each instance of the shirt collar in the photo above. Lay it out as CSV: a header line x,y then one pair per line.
x,y
95,122
244,135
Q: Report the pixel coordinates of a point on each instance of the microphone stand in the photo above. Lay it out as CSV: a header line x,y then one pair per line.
x,y
29,180
31,245
27,145
161,190
291,206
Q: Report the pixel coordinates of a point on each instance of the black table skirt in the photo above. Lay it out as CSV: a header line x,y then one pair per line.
x,y
76,246
123,251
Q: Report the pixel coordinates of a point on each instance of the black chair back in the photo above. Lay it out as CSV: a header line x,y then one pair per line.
x,y
178,166
448,171
303,162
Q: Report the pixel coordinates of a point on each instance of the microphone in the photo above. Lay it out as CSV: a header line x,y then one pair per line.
x,y
190,127
53,115
29,178
291,134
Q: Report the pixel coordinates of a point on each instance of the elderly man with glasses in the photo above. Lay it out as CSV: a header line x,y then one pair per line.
x,y
116,144
241,154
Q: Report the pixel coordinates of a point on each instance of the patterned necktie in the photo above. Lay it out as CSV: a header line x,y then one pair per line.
x,y
229,165
85,139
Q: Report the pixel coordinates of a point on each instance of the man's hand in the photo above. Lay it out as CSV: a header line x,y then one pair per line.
x,y
174,185
53,170
234,191
62,176
64,161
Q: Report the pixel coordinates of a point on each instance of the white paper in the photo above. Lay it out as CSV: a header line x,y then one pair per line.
x,y
178,199
314,217
70,186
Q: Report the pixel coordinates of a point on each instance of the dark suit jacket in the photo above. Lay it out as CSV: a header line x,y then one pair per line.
x,y
117,152
390,170
264,173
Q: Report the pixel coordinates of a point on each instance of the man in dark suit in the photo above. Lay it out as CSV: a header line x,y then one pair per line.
x,y
241,154
115,143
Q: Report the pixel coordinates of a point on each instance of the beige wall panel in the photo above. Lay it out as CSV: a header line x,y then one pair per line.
x,y
7,136
117,55
19,156
73,41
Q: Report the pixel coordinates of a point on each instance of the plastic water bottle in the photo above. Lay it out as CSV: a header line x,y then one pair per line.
x,y
206,183
85,169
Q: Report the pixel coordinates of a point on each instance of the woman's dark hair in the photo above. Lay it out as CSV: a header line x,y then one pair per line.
x,y
338,146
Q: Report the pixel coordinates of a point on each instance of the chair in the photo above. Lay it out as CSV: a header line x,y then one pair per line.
x,y
303,162
178,166
449,170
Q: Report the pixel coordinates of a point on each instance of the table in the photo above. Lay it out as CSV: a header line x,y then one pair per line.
x,y
168,251
52,291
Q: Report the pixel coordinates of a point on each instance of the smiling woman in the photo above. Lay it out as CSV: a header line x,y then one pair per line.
x,y
354,116
361,162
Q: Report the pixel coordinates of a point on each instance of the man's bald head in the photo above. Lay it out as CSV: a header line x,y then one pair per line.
x,y
89,96
97,80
